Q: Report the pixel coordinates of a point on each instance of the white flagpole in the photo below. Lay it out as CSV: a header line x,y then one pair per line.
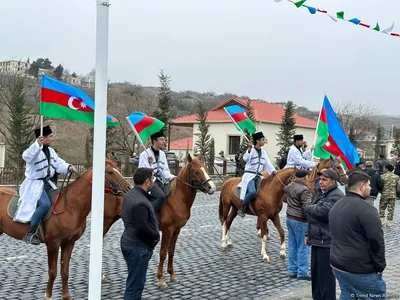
x,y
41,125
138,137
99,150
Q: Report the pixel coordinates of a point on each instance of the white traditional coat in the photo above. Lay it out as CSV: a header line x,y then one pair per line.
x,y
254,164
296,158
31,189
160,168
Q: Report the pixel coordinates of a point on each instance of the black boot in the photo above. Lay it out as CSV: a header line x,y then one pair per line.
x,y
31,237
241,212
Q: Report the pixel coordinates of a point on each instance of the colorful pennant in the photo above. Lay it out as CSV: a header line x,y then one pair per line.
x,y
340,16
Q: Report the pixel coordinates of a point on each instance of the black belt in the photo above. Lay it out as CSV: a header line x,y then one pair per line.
x,y
253,172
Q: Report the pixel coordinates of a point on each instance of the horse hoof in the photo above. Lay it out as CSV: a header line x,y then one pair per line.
x,y
46,297
269,237
174,280
162,285
283,256
266,259
230,245
104,278
223,248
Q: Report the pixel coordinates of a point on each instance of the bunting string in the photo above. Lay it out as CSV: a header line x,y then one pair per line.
x,y
341,16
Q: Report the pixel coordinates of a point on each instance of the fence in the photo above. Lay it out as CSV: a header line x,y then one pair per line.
x,y
12,176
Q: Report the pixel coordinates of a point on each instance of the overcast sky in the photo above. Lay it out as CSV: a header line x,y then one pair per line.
x,y
266,50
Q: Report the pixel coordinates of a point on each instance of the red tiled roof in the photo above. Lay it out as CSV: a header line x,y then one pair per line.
x,y
182,144
263,111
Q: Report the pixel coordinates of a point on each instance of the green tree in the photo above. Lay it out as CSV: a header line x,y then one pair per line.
x,y
378,141
203,142
395,151
74,75
40,63
211,157
164,99
18,117
287,129
58,72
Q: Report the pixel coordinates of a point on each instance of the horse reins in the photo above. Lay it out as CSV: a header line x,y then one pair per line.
x,y
200,187
114,189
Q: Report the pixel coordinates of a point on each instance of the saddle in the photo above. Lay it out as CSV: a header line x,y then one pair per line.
x,y
13,207
239,189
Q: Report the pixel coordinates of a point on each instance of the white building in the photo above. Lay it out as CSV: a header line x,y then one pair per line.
x,y
14,66
228,139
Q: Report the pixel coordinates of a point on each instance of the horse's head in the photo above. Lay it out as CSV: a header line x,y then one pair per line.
x,y
336,165
114,179
198,176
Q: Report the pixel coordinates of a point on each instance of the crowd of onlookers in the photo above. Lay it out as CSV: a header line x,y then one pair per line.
x,y
344,230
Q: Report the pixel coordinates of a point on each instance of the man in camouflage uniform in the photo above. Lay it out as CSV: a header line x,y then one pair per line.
x,y
391,184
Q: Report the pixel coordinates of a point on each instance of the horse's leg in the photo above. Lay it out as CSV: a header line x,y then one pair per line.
x,y
263,223
258,227
232,215
171,252
277,222
165,241
66,251
52,257
223,218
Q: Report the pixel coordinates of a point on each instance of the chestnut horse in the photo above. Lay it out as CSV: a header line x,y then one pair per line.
x,y
267,205
176,211
333,163
63,229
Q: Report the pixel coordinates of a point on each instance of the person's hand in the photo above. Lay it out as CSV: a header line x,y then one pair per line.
x,y
249,144
150,159
379,273
71,168
306,241
274,172
40,140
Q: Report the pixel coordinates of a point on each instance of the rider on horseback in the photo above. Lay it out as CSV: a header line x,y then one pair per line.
x,y
296,157
41,164
256,161
155,159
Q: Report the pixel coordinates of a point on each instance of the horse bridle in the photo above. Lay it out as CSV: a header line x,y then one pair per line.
x,y
197,186
283,184
333,168
114,188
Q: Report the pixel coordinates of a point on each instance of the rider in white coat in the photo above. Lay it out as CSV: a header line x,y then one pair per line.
x,y
155,159
41,164
257,161
296,157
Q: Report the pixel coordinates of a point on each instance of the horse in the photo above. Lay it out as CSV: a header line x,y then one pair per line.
x,y
333,163
266,205
176,211
68,220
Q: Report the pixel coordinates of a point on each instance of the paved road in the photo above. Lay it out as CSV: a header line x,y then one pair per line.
x,y
204,272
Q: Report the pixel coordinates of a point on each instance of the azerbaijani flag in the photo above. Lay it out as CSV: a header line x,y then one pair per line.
x,y
332,140
63,101
239,117
143,125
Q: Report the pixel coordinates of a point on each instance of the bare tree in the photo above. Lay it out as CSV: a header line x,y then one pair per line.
x,y
356,118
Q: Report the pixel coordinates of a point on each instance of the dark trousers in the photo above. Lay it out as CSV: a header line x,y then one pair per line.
x,y
137,260
323,282
158,195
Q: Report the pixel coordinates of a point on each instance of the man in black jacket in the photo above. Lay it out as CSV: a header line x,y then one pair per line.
x,y
141,232
375,182
358,246
319,237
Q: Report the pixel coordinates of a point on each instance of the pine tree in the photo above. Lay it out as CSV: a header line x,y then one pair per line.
x,y
378,141
287,129
204,138
58,72
164,99
17,120
395,151
211,157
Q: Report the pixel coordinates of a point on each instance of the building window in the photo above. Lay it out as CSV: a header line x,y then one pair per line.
x,y
234,144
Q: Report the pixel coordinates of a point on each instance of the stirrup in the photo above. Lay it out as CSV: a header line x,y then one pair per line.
x,y
31,238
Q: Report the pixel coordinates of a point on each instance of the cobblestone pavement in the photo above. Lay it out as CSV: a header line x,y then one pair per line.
x,y
204,272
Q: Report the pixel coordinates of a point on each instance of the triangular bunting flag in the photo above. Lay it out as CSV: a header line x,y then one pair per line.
x,y
300,3
340,15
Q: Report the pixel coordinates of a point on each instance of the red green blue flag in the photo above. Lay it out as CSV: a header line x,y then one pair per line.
x,y
239,117
332,140
144,126
63,101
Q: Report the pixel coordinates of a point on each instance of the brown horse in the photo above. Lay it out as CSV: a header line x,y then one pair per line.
x,y
267,205
333,163
176,211
62,230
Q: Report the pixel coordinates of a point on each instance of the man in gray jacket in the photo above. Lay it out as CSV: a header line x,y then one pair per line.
x,y
298,196
319,237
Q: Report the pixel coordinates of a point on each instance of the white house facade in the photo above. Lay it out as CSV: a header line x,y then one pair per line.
x,y
228,139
